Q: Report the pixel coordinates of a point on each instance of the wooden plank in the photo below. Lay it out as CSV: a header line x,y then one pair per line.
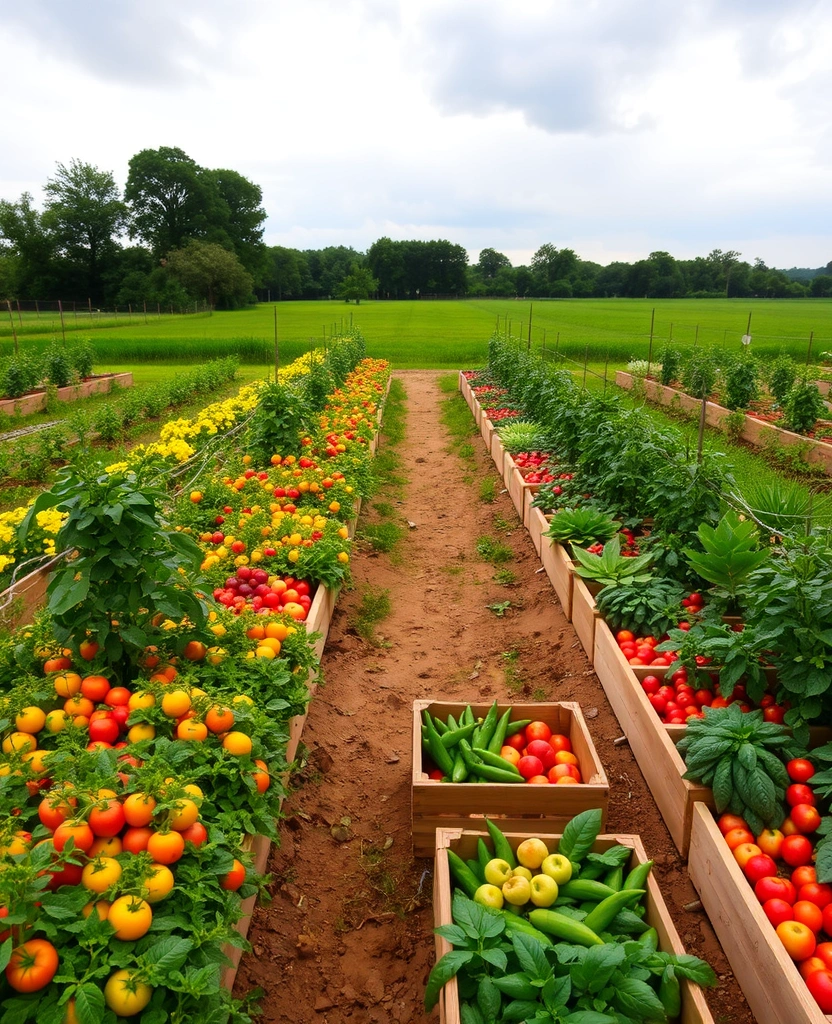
x,y
652,746
20,601
259,847
435,804
769,979
498,453
320,616
464,844
538,525
584,615
559,569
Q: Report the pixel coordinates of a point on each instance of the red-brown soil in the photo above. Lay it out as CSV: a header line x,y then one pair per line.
x,y
348,934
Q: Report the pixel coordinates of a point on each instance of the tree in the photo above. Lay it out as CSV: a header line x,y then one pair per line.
x,y
821,286
490,263
550,264
239,219
209,272
285,272
169,199
85,212
358,284
385,259
29,246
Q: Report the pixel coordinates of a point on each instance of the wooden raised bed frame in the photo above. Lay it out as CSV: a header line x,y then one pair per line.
x,y
651,742
769,979
517,806
694,1005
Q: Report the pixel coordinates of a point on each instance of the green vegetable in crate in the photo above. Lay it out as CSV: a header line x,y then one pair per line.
x,y
740,756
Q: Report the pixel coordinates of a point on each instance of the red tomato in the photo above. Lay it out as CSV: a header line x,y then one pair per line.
x,y
737,836
117,696
659,703
824,951
774,714
235,877
542,750
196,833
775,888
32,966
759,866
95,688
518,740
104,730
809,966
530,766
800,769
107,819
800,793
538,731
651,684
804,874
726,822
809,914
806,818
827,921
624,636
797,938
778,911
770,841
796,851
819,984
560,770
559,742
817,893
704,698
135,839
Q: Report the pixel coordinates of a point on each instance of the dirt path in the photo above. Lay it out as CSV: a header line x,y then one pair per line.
x,y
348,936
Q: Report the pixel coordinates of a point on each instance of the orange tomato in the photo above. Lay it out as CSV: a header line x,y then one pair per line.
x,y
797,938
194,650
744,852
191,729
566,757
219,719
95,688
67,685
737,837
770,842
166,847
809,914
511,754
237,743
727,822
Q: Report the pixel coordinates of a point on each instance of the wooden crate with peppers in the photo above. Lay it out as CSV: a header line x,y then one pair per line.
x,y
603,936
473,780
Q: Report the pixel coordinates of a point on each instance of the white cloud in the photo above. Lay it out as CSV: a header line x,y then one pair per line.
x,y
614,127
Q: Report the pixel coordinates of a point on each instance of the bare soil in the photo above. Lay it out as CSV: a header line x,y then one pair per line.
x,y
348,934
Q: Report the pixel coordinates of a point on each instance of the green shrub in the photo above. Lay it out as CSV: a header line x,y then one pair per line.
x,y
740,376
781,376
803,406
671,365
699,373
57,368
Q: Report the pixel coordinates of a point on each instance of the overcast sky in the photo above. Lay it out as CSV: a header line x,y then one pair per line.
x,y
613,127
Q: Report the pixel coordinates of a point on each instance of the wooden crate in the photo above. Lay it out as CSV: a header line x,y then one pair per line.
x,y
459,805
584,614
487,431
464,844
560,570
259,846
651,742
537,526
26,596
769,979
498,453
320,616
518,490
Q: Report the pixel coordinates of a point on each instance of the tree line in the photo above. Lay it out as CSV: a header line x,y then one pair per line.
x,y
180,232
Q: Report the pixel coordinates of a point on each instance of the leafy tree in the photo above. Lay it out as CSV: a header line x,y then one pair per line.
x,y
821,286
239,217
550,264
168,198
491,262
385,259
209,272
358,284
85,213
286,272
29,245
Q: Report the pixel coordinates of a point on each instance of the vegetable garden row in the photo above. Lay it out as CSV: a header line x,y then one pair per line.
x,y
707,623
151,709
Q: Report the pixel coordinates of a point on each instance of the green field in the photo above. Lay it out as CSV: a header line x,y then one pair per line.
x,y
444,334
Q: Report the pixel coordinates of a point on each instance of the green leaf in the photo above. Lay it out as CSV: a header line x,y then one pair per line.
x,y
531,956
599,965
637,999
442,972
615,857
453,933
68,592
557,993
695,970
580,833
469,1014
89,1004
496,957
521,1010
723,786
590,1017
489,999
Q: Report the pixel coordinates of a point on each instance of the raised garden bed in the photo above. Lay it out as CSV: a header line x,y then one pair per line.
x,y
651,742
464,844
767,975
516,806
35,401
754,431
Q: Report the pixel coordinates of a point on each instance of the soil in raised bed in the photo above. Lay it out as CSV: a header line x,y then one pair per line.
x,y
348,935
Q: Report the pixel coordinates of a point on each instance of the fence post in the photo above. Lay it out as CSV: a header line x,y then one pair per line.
x,y
11,321
557,343
63,328
529,345
650,350
606,367
19,315
701,440
586,360
809,349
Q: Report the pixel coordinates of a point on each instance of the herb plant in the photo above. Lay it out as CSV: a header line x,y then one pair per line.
x,y
803,406
611,568
739,755
731,553
651,608
781,376
582,526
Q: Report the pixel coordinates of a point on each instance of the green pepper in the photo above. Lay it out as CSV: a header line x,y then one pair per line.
x,y
441,758
502,847
492,774
495,760
607,909
563,927
495,744
615,878
483,855
462,874
459,772
476,870
514,727
453,736
670,992
586,889
649,939
488,726
637,878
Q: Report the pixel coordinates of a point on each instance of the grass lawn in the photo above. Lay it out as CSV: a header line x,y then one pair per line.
x,y
454,334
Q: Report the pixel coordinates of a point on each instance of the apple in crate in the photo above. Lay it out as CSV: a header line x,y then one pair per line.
x,y
497,871
532,852
557,867
517,890
544,890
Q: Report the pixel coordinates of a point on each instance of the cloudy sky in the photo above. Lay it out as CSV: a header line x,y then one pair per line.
x,y
614,127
